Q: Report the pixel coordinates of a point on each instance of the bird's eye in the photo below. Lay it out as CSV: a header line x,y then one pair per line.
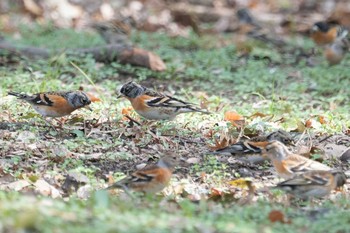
x,y
84,100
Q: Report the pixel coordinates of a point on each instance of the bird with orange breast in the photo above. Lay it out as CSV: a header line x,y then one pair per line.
x,y
56,103
150,179
323,33
153,105
288,164
315,183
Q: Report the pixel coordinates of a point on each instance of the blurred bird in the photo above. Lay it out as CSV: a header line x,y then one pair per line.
x,y
288,164
56,104
114,31
324,33
335,52
249,25
151,179
314,183
252,148
153,105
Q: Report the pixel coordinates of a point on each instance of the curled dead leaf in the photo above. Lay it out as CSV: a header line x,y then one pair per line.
x,y
220,144
235,119
144,58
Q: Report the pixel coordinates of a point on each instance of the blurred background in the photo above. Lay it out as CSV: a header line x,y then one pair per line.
x,y
172,16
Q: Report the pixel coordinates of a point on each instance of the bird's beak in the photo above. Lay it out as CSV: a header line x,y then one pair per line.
x,y
292,143
314,29
120,96
88,107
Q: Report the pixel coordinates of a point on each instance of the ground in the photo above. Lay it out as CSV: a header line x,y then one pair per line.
x,y
267,88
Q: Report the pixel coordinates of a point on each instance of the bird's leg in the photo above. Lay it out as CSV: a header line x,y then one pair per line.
x,y
48,123
61,122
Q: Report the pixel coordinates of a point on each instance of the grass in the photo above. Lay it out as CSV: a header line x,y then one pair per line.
x,y
109,214
199,69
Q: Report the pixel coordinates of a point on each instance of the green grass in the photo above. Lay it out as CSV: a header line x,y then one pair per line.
x,y
288,94
109,214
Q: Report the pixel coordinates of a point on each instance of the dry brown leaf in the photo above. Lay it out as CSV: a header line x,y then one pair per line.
x,y
92,97
235,119
18,185
322,120
300,127
218,195
308,123
46,189
278,216
141,57
258,114
215,192
219,144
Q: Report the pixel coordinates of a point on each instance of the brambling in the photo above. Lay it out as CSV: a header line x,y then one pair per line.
x,y
114,31
150,179
288,164
153,105
314,183
255,144
56,104
335,52
324,33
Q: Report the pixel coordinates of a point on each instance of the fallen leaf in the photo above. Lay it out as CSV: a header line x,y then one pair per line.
x,y
277,216
18,185
218,195
235,119
43,187
300,127
240,183
258,114
144,58
219,144
215,192
308,123
232,116
322,120
93,98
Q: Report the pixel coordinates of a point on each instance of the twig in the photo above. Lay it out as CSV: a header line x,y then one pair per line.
x,y
329,136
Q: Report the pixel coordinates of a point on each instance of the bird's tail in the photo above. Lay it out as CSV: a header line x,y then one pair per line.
x,y
197,109
18,95
116,186
239,148
203,111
